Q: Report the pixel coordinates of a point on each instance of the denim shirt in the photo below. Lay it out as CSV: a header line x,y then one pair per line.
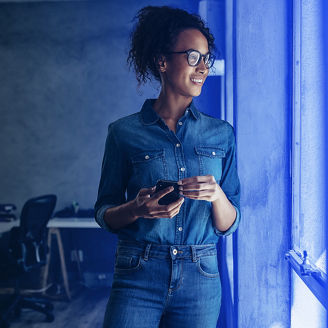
x,y
141,149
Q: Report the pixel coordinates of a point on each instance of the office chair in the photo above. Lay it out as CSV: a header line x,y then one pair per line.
x,y
27,251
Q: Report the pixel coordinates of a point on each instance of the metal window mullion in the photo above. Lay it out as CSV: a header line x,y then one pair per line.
x,y
296,127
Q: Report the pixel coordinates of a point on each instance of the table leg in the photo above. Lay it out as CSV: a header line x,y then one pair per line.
x,y
46,269
56,233
62,261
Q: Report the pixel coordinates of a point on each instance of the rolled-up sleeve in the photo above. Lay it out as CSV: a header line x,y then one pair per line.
x,y
113,180
230,181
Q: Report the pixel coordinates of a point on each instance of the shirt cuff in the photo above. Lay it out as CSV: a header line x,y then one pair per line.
x,y
233,228
100,218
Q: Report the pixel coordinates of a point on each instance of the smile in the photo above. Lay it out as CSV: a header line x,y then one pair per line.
x,y
198,81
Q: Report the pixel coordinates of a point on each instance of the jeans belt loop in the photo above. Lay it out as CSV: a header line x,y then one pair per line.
x,y
194,255
146,253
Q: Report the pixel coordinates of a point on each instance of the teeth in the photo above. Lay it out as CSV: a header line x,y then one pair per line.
x,y
197,80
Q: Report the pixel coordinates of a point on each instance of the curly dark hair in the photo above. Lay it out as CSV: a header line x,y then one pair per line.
x,y
155,34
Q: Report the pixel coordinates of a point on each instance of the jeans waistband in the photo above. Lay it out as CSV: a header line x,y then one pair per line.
x,y
147,250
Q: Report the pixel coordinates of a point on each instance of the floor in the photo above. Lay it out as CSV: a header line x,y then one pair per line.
x,y
86,309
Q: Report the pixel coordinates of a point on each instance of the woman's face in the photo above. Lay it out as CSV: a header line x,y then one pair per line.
x,y
179,77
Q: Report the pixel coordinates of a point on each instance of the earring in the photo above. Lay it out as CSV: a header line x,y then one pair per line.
x,y
161,64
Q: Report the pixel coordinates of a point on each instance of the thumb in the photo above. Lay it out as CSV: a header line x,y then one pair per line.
x,y
152,190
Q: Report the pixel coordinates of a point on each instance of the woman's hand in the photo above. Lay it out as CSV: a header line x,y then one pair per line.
x,y
146,204
200,187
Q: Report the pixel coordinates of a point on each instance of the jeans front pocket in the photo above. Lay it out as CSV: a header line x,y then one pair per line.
x,y
148,167
210,160
208,266
127,263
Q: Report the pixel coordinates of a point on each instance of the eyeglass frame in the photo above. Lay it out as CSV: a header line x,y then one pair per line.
x,y
200,57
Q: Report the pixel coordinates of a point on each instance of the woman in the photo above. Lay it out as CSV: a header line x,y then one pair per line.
x,y
166,271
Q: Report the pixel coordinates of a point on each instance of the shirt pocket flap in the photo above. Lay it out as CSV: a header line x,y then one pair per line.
x,y
210,151
147,156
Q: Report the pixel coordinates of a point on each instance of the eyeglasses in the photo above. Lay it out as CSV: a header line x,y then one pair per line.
x,y
194,57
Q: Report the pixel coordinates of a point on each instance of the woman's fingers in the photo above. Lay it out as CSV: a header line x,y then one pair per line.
x,y
147,191
198,186
149,207
171,207
199,193
167,211
161,193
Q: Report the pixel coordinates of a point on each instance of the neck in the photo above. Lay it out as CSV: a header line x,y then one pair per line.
x,y
171,107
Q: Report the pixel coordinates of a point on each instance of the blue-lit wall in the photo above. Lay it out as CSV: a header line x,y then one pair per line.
x,y
262,115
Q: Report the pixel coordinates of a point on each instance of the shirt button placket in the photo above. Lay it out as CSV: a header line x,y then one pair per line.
x,y
181,175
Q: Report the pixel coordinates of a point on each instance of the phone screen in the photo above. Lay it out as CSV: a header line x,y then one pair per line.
x,y
170,197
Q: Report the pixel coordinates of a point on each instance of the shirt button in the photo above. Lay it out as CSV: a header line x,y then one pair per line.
x,y
180,228
180,123
147,157
178,145
175,252
182,169
213,153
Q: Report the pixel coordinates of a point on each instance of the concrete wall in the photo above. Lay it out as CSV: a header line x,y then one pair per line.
x,y
262,122
63,78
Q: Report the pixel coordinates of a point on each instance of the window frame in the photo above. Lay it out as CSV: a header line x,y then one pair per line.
x,y
313,277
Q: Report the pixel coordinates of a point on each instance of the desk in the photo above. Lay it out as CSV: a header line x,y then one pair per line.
x,y
6,226
54,225
73,223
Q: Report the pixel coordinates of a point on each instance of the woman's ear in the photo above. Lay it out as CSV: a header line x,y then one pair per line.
x,y
161,64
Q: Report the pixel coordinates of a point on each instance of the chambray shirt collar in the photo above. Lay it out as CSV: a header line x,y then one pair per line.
x,y
149,116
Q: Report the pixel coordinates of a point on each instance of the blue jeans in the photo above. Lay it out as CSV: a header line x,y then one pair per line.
x,y
164,286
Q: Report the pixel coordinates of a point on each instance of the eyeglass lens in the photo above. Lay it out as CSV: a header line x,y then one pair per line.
x,y
195,57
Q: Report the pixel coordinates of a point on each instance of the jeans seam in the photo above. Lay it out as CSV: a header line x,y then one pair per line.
x,y
180,280
127,270
205,274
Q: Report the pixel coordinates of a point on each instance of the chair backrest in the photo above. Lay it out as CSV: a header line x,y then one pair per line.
x,y
35,215
28,246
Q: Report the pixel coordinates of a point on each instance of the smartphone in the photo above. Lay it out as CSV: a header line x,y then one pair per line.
x,y
170,197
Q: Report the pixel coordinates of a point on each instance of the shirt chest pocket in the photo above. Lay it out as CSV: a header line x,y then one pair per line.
x,y
210,160
148,167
